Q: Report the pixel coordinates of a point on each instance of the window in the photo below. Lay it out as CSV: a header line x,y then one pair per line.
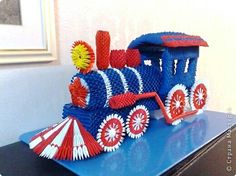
x,y
174,66
160,64
148,62
186,66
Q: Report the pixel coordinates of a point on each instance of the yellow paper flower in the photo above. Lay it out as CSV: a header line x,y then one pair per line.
x,y
82,56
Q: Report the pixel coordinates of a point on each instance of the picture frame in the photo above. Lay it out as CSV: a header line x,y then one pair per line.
x,y
41,46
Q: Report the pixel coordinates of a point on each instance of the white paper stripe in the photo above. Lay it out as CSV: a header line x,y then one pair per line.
x,y
45,136
52,148
79,149
122,77
84,83
39,139
140,81
107,84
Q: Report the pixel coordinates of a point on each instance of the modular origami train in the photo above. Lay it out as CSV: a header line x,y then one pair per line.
x,y
157,71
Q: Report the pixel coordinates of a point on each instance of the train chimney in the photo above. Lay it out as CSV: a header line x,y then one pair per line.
x,y
102,49
133,58
117,59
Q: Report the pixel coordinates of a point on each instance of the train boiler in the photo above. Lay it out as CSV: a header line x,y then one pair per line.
x,y
157,71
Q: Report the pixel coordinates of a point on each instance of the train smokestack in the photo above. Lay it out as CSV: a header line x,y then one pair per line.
x,y
117,59
102,49
133,58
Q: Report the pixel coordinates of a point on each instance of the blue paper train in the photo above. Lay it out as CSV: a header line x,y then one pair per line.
x,y
109,104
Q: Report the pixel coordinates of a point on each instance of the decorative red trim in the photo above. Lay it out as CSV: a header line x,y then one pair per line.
x,y
78,93
122,100
182,40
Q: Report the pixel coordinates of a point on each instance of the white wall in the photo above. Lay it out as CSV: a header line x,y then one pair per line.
x,y
126,20
32,98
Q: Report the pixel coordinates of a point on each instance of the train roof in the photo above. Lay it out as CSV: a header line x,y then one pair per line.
x,y
167,39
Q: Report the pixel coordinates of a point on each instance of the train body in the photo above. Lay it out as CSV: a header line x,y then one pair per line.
x,y
113,102
137,80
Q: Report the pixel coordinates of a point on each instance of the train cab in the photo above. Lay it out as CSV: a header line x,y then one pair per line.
x,y
173,54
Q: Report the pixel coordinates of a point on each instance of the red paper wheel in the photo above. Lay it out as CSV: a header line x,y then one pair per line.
x,y
198,96
110,133
176,100
137,121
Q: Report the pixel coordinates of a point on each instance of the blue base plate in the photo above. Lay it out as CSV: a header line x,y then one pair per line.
x,y
159,149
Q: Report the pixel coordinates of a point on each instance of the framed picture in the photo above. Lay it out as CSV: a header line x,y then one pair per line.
x,y
27,31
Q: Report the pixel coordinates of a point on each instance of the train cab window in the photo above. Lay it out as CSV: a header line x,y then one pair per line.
x,y
186,66
148,62
174,67
160,64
